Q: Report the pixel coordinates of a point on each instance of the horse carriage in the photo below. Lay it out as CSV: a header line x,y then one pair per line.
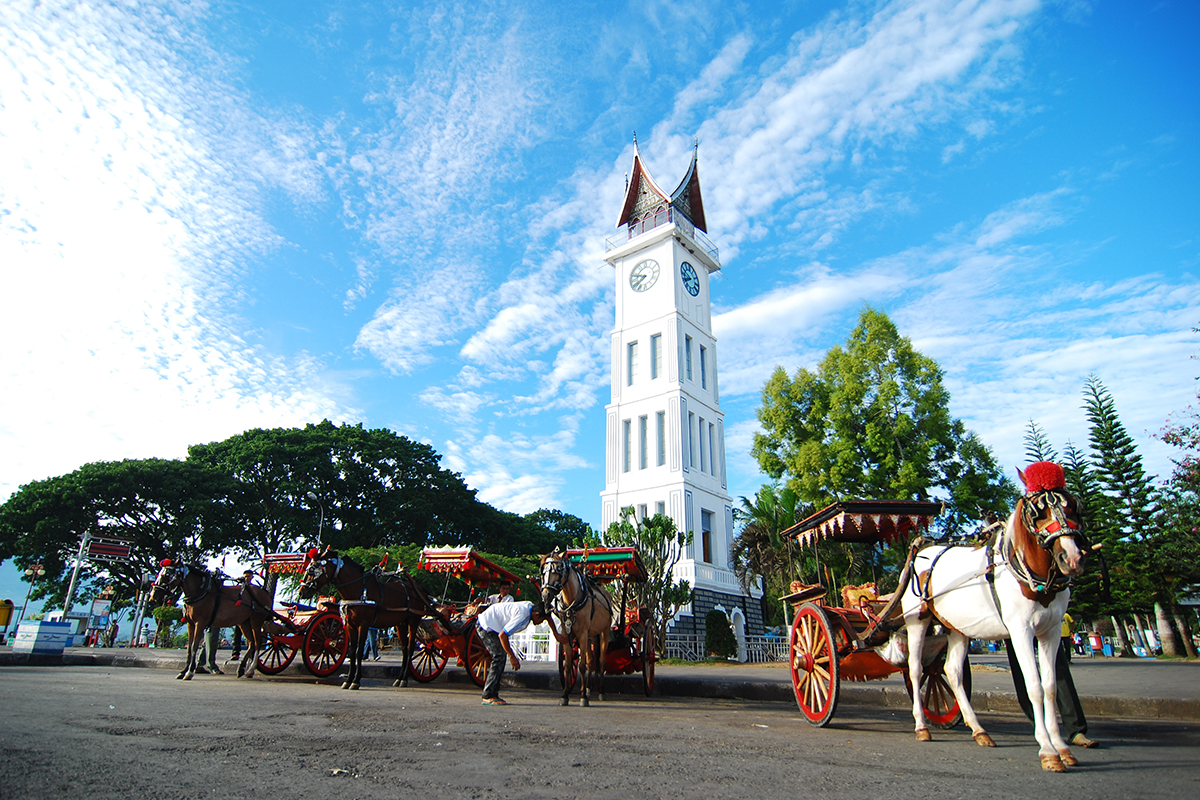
x,y
831,642
446,631
1012,582
631,644
316,632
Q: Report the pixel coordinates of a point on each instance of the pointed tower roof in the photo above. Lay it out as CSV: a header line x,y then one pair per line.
x,y
642,195
686,196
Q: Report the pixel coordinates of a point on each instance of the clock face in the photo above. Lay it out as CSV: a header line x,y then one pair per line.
x,y
643,275
691,281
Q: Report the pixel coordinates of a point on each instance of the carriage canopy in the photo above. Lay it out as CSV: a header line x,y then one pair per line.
x,y
610,563
464,563
881,521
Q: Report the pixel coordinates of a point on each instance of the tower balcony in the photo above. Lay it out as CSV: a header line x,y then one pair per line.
x,y
667,216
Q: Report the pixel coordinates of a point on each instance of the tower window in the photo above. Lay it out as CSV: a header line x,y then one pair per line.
x,y
706,534
691,439
627,445
632,362
700,430
660,438
712,461
642,442
703,367
641,511
687,355
655,354
660,508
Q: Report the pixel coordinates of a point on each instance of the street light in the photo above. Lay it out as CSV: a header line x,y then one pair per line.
x,y
32,574
321,522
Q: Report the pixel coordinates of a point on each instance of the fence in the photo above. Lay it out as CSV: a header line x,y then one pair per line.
x,y
756,650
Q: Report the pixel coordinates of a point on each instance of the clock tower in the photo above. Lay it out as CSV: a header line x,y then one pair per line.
x,y
665,448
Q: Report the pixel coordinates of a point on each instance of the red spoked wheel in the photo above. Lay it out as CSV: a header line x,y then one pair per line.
x,y
325,644
479,660
568,664
814,663
937,698
427,661
276,654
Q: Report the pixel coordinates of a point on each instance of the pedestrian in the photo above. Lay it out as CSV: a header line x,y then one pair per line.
x,y
1066,634
503,596
1074,723
208,653
496,623
247,580
371,644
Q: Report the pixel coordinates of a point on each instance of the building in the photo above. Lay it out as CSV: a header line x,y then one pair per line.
x,y
665,448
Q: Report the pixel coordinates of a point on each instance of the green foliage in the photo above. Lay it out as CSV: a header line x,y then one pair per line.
x,y
873,422
164,507
661,547
719,639
758,548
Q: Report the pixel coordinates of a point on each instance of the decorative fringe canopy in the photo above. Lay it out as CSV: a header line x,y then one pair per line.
x,y
865,521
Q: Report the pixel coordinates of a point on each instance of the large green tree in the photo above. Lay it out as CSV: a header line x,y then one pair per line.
x,y
873,422
164,508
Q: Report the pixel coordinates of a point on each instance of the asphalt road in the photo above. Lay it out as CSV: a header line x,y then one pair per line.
x,y
97,732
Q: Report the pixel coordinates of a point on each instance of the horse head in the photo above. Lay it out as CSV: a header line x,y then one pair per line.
x,y
168,584
554,572
1053,517
319,570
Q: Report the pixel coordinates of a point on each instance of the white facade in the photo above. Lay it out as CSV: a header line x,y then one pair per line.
x,y
665,450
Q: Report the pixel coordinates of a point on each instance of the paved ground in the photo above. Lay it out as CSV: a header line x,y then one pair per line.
x,y
1109,688
99,732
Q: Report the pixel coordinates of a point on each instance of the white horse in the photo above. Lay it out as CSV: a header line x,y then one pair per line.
x,y
1014,588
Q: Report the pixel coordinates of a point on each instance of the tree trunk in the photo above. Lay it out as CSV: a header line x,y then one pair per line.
x,y
1185,633
1139,633
1123,648
1166,634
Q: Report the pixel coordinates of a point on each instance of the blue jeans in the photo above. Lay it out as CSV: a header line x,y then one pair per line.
x,y
371,643
491,686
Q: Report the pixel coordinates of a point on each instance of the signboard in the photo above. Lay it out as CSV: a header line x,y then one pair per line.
x,y
99,616
107,549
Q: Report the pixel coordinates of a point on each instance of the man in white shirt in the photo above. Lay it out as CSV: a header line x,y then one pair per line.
x,y
496,623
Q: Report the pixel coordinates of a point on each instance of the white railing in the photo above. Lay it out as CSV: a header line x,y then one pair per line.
x,y
754,650
664,217
765,649
535,644
685,646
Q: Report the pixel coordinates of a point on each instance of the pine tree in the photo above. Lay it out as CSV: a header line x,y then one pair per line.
x,y
1037,446
1117,462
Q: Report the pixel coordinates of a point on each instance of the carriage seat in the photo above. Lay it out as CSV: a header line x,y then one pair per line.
x,y
804,592
857,596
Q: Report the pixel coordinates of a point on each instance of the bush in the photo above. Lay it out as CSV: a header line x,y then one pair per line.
x,y
718,635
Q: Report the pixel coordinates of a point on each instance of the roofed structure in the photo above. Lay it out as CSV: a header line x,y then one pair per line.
x,y
644,197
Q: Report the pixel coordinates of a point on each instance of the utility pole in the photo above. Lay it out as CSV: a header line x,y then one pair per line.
x,y
83,543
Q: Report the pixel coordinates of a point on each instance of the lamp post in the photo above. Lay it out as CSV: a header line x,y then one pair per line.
x,y
321,521
32,574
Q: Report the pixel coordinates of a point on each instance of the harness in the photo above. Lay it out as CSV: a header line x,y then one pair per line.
x,y
553,592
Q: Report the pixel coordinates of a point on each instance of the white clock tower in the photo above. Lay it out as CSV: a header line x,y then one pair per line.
x,y
665,450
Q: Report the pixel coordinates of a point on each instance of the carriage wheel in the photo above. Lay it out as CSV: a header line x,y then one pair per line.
x,y
648,660
276,655
937,698
478,658
427,661
814,665
325,645
568,665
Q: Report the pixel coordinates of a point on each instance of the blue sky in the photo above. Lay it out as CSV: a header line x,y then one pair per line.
x,y
219,216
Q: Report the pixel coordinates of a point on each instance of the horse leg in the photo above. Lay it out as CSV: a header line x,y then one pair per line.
x,y
357,635
585,670
601,659
916,643
403,645
244,627
1023,644
253,635
1048,647
956,659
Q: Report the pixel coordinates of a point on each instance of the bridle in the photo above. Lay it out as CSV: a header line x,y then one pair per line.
x,y
1057,504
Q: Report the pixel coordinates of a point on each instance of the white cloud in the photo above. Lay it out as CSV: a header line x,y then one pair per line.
x,y
122,230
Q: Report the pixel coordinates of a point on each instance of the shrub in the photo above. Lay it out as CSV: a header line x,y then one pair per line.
x,y
718,635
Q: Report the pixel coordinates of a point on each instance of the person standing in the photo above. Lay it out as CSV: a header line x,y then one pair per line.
x,y
496,623
208,652
371,644
247,580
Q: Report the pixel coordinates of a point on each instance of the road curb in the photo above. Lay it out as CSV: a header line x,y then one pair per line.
x,y
702,686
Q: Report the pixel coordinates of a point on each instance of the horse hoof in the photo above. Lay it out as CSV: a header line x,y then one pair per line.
x,y
1053,764
601,698
187,677
397,683
179,677
404,685
924,735
584,703
354,688
564,702
1067,758
346,685
982,739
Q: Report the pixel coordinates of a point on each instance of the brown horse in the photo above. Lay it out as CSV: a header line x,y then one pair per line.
x,y
208,603
369,600
586,611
